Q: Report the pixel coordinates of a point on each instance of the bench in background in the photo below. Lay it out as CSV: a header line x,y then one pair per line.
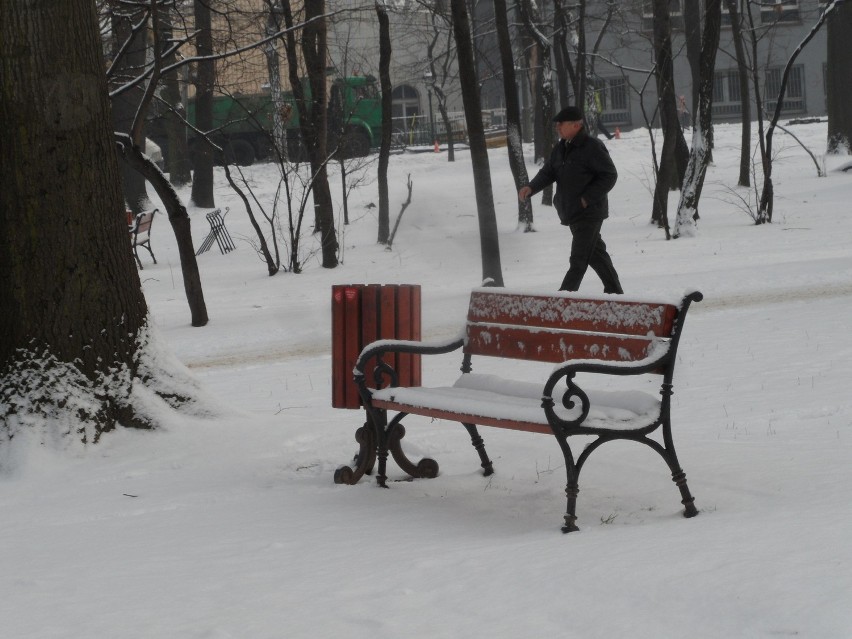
x,y
140,234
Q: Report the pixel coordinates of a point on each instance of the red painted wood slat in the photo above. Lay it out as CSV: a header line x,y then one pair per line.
x,y
632,318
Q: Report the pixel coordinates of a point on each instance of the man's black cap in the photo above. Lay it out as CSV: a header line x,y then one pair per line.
x,y
569,114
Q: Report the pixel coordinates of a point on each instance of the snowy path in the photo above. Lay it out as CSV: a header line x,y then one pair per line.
x,y
320,346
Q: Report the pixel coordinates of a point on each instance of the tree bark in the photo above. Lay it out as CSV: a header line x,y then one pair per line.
x,y
839,101
202,153
514,144
545,108
73,310
745,101
701,141
667,100
692,33
124,106
387,123
314,51
492,274
176,152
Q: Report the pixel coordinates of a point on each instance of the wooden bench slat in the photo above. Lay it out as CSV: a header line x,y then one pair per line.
x,y
616,316
518,342
454,416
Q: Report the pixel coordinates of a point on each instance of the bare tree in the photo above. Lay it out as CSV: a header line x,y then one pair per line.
x,y
130,27
440,62
177,158
700,156
745,94
767,194
667,100
73,331
839,70
205,77
513,114
544,104
384,151
313,114
692,37
492,273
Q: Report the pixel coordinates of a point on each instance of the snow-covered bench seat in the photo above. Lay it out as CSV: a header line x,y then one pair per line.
x,y
610,335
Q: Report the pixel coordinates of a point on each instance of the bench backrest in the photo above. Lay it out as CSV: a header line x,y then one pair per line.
x,y
142,226
562,327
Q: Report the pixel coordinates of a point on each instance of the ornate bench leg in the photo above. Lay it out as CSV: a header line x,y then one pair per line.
x,y
426,468
571,491
479,445
364,458
678,476
688,501
572,471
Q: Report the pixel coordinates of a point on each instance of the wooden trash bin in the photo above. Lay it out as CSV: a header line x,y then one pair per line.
x,y
363,313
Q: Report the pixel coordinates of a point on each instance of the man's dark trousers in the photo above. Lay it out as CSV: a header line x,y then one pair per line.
x,y
588,249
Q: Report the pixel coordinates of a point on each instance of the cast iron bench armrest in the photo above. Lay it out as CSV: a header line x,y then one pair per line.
x,y
380,347
568,370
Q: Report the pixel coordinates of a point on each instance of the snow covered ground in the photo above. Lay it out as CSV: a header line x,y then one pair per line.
x,y
228,525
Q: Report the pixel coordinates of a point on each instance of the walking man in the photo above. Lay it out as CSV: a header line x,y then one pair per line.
x,y
584,173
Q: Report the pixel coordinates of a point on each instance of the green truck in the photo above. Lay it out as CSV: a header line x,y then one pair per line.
x,y
243,124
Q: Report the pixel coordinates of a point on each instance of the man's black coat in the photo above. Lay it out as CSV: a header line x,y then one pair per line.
x,y
581,169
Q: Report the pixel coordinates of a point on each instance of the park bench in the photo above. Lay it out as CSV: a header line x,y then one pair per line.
x,y
606,335
140,234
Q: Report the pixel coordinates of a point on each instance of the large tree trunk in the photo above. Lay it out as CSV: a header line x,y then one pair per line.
x,y
667,100
544,105
131,46
176,152
387,123
202,175
745,100
492,273
700,156
74,316
561,57
692,35
839,100
314,51
765,160
513,114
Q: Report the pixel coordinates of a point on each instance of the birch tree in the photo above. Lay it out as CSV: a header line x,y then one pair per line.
x,y
699,157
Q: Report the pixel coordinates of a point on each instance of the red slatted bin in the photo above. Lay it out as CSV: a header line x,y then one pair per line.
x,y
363,313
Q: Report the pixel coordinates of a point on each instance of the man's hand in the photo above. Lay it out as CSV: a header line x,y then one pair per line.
x,y
524,193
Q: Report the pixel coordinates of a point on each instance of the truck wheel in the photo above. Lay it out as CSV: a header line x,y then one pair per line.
x,y
240,153
356,144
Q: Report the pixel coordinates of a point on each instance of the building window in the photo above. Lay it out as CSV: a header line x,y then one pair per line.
x,y
794,96
406,102
726,94
675,15
614,100
772,11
